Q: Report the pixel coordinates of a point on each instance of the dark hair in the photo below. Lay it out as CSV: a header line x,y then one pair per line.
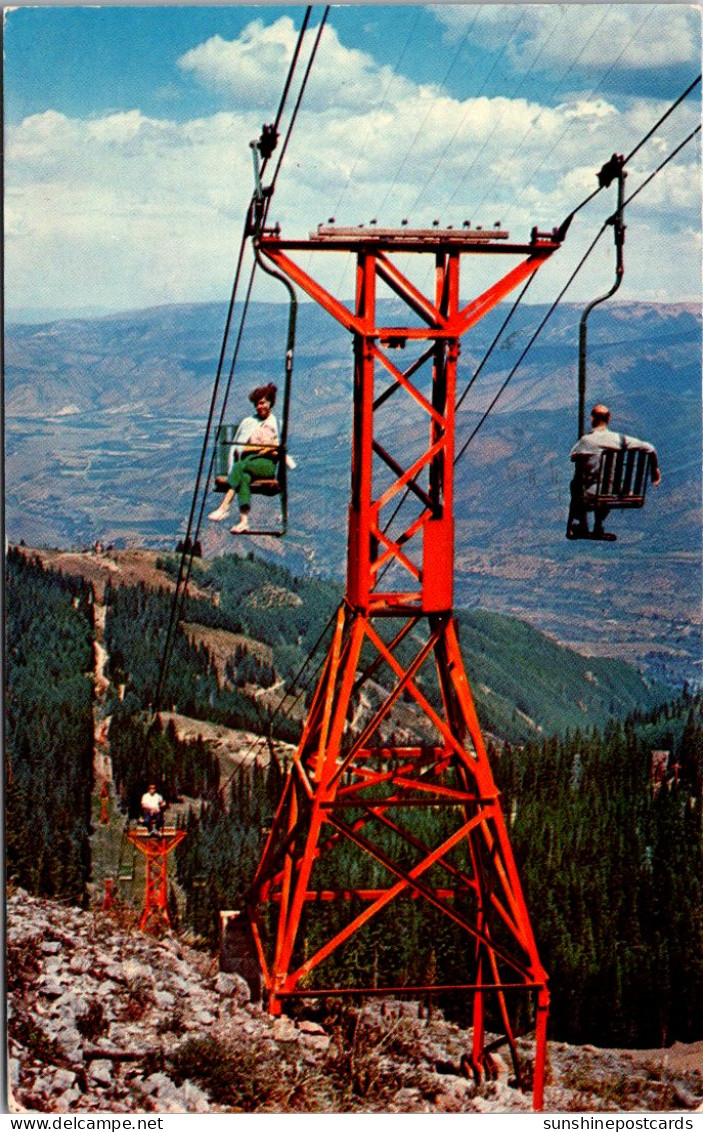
x,y
268,391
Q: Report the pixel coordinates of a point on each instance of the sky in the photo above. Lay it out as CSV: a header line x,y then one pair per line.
x,y
128,168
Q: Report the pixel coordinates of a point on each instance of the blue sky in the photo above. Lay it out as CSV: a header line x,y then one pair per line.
x,y
127,133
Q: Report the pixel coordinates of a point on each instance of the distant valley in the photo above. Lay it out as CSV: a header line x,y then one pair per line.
x,y
104,420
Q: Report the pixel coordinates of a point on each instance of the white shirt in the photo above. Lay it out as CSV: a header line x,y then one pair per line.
x,y
252,430
601,437
151,801
592,444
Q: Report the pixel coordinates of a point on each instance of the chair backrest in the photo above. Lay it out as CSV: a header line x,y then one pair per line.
x,y
225,449
622,477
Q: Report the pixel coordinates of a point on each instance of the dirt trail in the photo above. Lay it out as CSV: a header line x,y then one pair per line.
x,y
679,1058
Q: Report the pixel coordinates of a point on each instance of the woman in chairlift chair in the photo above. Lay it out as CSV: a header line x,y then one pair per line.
x,y
256,444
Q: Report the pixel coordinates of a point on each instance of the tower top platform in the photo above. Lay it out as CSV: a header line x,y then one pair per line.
x,y
467,240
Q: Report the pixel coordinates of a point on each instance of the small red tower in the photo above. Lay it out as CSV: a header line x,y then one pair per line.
x,y
156,849
104,804
109,897
352,782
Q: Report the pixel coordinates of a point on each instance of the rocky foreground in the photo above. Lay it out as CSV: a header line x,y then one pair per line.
x,y
104,1018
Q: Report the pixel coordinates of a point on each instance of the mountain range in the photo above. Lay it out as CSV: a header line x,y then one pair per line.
x,y
105,419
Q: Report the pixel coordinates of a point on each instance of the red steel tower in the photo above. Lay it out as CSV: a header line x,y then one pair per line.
x,y
155,849
360,771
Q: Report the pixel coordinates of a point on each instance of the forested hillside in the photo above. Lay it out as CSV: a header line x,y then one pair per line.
x,y
612,867
524,683
611,859
612,864
48,729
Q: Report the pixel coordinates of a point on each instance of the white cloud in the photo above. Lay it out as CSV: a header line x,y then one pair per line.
x,y
256,63
598,35
122,209
248,66
126,209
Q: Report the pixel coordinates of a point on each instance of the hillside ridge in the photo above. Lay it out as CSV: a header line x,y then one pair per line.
x,y
526,683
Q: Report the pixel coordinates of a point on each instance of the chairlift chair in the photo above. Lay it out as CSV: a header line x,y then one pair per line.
x,y
623,472
621,483
226,454
125,865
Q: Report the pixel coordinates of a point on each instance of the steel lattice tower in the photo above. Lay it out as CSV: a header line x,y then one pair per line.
x,y
353,781
155,849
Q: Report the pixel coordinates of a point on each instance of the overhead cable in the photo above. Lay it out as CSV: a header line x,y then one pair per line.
x,y
279,706
296,108
646,138
188,555
462,398
201,464
466,113
487,141
583,46
380,102
495,341
663,118
666,161
184,572
593,91
530,343
421,127
563,292
289,79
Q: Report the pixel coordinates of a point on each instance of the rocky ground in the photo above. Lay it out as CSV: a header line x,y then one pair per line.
x,y
105,1018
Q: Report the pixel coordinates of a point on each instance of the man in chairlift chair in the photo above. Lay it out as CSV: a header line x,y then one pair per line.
x,y
256,449
153,806
585,481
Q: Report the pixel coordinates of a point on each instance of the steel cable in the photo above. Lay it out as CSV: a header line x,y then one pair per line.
x,y
531,343
642,141
189,553
539,328
380,102
296,108
664,162
462,398
289,78
188,541
565,288
663,118
487,141
277,710
421,127
206,440
533,123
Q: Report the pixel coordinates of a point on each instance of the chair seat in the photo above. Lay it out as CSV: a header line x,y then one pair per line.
x,y
265,487
276,485
258,487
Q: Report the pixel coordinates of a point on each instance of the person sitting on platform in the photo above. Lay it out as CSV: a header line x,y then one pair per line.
x,y
153,807
585,481
256,448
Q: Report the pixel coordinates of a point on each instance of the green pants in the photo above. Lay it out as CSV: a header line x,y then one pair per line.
x,y
246,470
